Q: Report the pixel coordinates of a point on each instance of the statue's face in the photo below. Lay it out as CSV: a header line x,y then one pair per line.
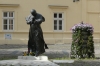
x,y
33,12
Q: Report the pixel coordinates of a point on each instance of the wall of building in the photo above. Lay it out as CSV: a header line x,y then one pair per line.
x,y
74,12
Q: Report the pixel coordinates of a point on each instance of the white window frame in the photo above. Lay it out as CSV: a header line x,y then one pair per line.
x,y
7,20
58,22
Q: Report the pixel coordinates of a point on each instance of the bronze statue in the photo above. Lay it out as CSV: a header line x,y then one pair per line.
x,y
36,41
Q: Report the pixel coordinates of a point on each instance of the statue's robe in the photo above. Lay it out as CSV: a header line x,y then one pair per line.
x,y
36,41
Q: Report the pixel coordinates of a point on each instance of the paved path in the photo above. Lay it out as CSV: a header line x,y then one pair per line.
x,y
55,50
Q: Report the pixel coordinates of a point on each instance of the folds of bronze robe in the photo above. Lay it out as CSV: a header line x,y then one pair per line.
x,y
36,41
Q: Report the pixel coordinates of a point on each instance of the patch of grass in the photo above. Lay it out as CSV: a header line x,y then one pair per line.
x,y
63,58
66,58
8,57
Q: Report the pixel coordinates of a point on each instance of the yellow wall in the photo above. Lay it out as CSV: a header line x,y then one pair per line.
x,y
74,12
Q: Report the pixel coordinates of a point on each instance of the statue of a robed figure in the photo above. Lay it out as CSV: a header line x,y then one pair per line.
x,y
36,43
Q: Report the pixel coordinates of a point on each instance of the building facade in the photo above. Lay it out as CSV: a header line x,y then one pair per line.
x,y
60,16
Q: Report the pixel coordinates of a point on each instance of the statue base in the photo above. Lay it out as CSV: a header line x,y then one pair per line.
x,y
28,61
45,58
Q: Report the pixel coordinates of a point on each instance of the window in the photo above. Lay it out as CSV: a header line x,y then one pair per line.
x,y
8,20
58,21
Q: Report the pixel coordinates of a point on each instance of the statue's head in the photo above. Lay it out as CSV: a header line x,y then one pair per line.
x,y
33,12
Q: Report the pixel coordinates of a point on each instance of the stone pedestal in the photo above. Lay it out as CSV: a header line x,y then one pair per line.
x,y
28,61
45,58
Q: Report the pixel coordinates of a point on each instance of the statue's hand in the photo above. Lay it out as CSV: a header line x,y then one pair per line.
x,y
35,22
38,21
